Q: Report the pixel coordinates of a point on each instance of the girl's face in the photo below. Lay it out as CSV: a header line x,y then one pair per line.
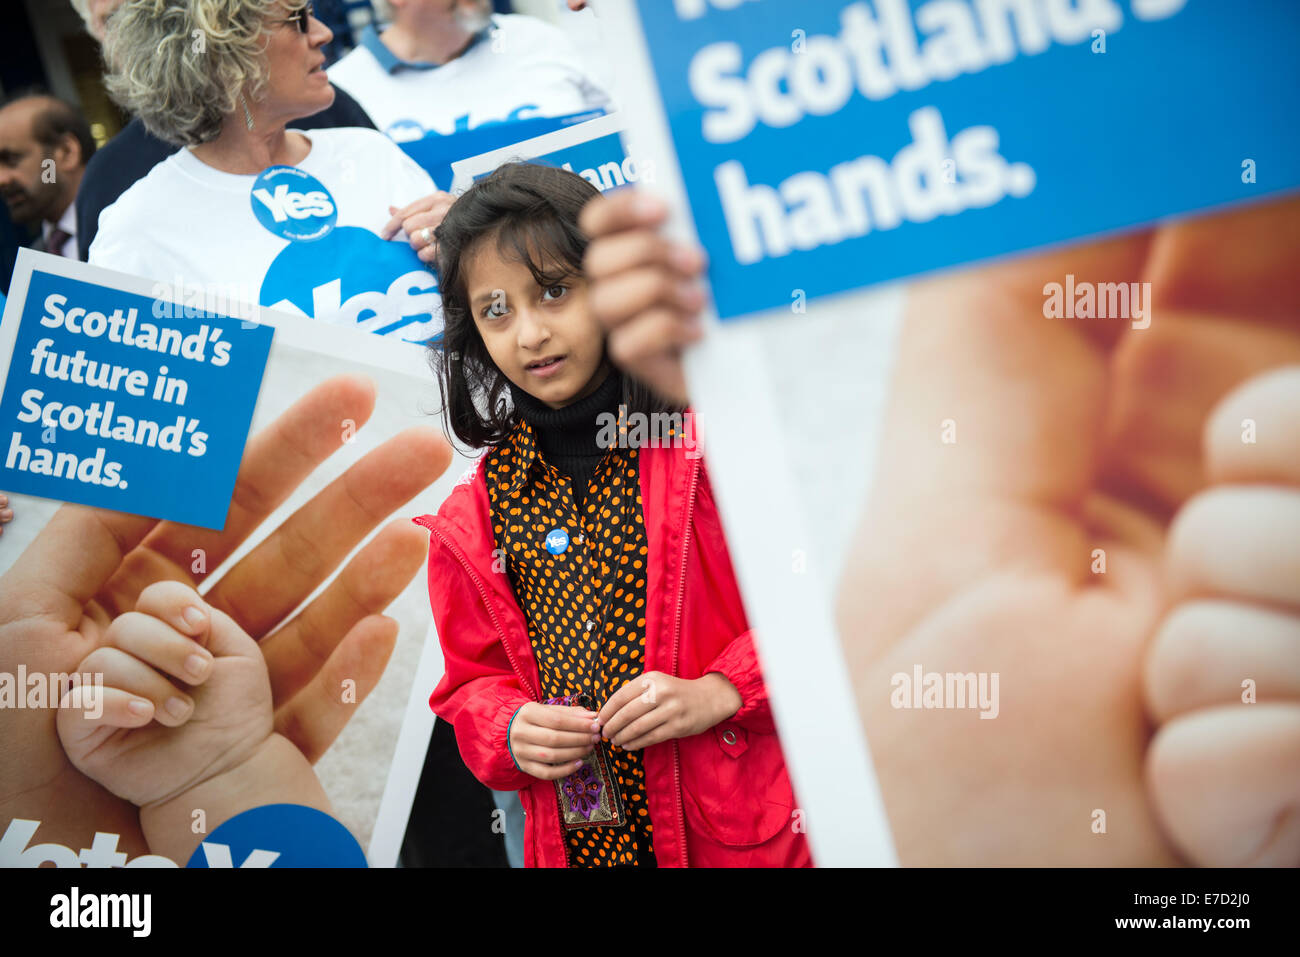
x,y
543,339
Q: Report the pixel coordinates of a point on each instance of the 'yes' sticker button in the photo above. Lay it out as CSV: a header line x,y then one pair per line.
x,y
293,204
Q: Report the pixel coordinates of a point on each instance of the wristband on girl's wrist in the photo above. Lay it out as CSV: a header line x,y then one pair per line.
x,y
509,750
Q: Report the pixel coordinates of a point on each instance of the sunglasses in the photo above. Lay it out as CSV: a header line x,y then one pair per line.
x,y
301,17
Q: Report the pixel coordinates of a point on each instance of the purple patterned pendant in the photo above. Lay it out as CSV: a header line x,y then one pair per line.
x,y
587,796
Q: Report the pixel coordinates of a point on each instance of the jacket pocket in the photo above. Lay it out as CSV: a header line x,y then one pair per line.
x,y
735,787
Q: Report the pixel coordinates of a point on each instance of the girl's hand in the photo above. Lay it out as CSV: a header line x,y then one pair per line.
x,y
418,221
549,741
657,707
6,513
644,289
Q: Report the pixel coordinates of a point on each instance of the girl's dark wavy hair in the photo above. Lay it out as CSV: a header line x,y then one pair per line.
x,y
532,210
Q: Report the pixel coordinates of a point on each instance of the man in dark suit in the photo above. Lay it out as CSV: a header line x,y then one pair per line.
x,y
44,146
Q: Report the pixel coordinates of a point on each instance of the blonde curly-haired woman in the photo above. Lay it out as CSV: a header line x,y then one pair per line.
x,y
253,209
134,151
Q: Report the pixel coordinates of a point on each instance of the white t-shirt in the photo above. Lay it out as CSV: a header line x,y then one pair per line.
x,y
301,239
523,68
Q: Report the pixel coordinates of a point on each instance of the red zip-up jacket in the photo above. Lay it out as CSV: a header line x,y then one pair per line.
x,y
721,798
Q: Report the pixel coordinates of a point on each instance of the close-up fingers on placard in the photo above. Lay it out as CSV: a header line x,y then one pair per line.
x,y
314,716
1253,435
1209,652
1226,784
111,708
306,548
160,646
276,460
367,585
1240,541
172,707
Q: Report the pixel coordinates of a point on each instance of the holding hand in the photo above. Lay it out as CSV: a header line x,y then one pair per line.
x,y
172,750
418,221
1080,439
657,707
156,737
645,289
549,741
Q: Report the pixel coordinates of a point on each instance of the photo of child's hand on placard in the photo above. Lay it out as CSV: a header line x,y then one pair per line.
x,y
1114,530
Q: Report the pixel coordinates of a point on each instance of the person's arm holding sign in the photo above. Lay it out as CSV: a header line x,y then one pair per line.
x,y
91,566
1075,435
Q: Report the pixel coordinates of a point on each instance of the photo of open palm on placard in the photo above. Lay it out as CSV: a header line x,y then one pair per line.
x,y
1108,518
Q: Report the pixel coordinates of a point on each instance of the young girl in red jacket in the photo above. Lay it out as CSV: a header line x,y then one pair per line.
x,y
598,659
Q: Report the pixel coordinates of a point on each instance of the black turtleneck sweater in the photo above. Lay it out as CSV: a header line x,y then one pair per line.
x,y
567,437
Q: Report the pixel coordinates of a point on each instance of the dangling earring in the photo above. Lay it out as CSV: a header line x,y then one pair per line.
x,y
248,117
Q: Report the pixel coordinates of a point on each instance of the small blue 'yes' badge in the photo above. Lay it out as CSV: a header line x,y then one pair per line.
x,y
557,541
293,204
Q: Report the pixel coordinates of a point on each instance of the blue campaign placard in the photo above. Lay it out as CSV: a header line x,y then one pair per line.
x,y
601,161
827,145
126,402
436,152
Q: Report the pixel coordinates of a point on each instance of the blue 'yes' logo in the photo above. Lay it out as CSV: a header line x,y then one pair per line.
x,y
404,131
352,277
293,205
557,541
279,835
